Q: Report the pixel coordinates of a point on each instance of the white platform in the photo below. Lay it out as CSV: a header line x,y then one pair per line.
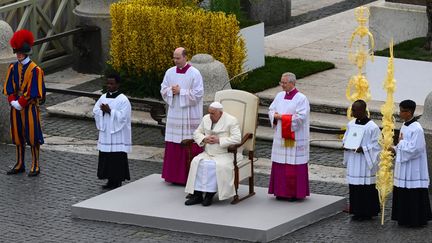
x,y
151,202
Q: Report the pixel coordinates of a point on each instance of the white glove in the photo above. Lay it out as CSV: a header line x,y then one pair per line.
x,y
16,105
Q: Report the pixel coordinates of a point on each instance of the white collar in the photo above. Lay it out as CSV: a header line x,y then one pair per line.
x,y
25,61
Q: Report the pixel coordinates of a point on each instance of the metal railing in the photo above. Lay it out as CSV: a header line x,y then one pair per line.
x,y
45,19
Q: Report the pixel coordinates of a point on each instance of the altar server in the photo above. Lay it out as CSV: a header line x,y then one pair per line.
x,y
112,113
362,163
411,205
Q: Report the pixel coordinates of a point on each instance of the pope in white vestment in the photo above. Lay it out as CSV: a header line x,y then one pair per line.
x,y
362,164
411,205
182,89
112,113
213,170
289,173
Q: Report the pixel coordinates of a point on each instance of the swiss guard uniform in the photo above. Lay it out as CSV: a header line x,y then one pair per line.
x,y
25,89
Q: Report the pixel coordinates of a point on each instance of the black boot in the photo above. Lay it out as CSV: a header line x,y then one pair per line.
x,y
19,167
195,198
34,173
208,199
14,171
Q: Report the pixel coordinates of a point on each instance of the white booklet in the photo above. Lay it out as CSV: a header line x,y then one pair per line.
x,y
354,136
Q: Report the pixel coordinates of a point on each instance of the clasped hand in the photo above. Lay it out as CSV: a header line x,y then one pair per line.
x,y
175,89
105,108
212,139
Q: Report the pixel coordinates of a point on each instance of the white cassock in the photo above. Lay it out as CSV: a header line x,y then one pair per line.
x,y
299,108
115,129
362,167
411,167
186,109
228,131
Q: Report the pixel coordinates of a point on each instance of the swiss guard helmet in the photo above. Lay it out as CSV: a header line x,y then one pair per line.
x,y
22,42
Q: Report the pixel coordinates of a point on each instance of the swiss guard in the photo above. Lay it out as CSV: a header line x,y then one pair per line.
x,y
25,91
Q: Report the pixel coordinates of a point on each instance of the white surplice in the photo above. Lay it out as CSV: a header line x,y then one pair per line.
x,y
228,131
300,109
362,167
115,130
185,109
411,167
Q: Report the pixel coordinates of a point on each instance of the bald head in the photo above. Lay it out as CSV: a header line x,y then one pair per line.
x,y
180,57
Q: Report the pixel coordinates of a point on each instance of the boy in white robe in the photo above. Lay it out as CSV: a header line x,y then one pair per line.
x,y
362,165
411,205
213,170
112,114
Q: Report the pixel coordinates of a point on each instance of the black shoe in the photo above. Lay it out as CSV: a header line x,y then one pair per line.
x,y
357,218
208,199
194,199
107,186
111,185
33,173
14,171
116,185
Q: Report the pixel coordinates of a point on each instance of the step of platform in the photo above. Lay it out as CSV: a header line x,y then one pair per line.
x,y
151,202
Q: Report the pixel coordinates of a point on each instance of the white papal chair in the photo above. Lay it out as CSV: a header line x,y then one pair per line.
x,y
244,106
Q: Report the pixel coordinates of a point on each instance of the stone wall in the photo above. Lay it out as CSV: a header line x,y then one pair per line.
x,y
271,12
401,22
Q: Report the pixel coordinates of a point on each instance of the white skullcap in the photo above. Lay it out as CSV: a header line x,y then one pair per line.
x,y
216,105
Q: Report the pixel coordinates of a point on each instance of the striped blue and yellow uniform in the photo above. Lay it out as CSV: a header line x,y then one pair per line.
x,y
25,84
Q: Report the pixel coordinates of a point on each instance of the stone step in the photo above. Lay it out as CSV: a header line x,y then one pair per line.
x,y
326,108
317,119
340,108
82,107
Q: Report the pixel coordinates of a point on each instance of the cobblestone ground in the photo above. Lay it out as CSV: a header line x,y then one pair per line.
x,y
316,14
38,209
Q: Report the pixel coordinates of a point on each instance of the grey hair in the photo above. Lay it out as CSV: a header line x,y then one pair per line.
x,y
291,77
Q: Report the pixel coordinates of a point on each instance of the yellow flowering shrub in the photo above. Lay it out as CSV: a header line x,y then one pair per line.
x,y
146,32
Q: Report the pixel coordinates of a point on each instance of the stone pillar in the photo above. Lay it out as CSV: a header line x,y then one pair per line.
x,y
6,57
426,122
95,13
215,76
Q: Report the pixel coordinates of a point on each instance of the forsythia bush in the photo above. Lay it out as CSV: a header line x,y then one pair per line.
x,y
146,32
